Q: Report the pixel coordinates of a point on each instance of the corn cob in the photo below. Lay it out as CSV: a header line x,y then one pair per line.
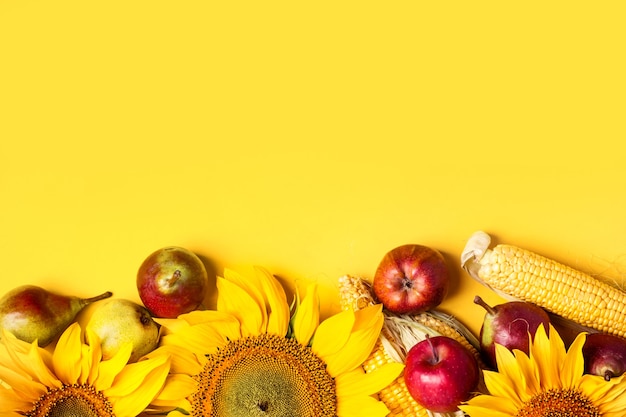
x,y
518,274
398,335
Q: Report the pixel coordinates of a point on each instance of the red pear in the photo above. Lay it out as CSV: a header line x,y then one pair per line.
x,y
605,355
512,324
172,281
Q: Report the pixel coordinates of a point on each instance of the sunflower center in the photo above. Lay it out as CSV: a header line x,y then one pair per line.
x,y
264,376
72,401
559,403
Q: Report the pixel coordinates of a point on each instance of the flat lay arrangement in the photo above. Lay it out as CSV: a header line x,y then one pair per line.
x,y
388,352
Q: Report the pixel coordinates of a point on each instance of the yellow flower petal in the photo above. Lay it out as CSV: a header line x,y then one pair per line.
x,y
177,386
333,333
476,411
307,316
92,356
169,326
22,383
109,369
360,343
67,355
276,303
508,374
177,413
252,286
183,361
201,338
39,369
499,385
239,303
546,358
530,376
10,401
137,385
574,363
357,382
501,405
14,351
132,376
368,317
361,406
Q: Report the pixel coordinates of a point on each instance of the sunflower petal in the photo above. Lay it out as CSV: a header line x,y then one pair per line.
x,y
357,382
42,373
277,307
183,361
359,345
509,374
109,369
333,333
177,386
574,363
9,401
497,404
14,351
94,353
252,285
200,339
499,385
477,411
307,316
67,355
360,406
137,385
169,326
177,413
370,316
544,352
529,378
133,375
22,383
235,300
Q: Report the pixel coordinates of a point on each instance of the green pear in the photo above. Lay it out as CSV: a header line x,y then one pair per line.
x,y
34,313
119,321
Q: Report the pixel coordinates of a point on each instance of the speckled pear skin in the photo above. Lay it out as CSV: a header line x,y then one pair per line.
x,y
33,313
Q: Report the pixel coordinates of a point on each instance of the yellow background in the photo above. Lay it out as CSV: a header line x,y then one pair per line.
x,y
306,137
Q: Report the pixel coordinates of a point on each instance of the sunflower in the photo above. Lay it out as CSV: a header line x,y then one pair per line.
x,y
72,380
254,356
549,381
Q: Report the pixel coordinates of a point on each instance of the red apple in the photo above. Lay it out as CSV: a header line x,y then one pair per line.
x,y
440,373
411,279
172,281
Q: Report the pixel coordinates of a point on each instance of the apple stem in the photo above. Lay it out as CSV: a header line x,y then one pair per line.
x,y
608,375
430,342
483,304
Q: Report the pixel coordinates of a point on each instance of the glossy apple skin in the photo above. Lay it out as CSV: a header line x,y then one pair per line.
x,y
411,279
513,325
605,355
172,281
440,373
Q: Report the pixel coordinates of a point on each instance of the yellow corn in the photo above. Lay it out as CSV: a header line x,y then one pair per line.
x,y
356,293
396,395
517,273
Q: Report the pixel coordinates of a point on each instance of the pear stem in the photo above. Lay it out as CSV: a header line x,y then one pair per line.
x,y
97,297
483,304
174,278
